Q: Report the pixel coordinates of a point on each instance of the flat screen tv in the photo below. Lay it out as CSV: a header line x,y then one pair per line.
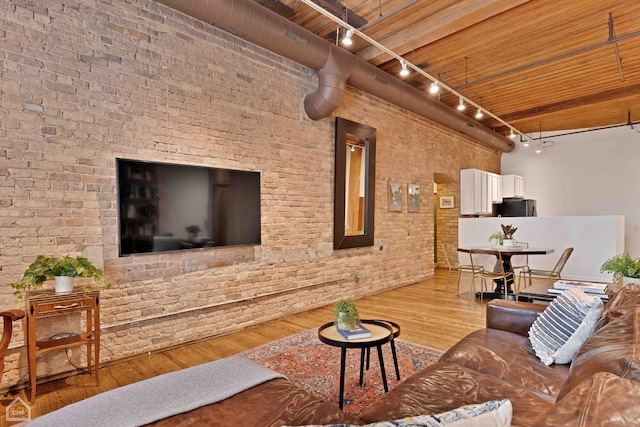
x,y
167,207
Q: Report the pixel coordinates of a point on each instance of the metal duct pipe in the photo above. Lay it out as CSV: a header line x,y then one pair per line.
x,y
335,66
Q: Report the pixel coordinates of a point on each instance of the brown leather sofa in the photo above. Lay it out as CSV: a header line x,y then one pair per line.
x,y
600,387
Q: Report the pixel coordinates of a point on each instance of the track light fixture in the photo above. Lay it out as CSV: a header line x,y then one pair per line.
x,y
435,85
405,71
511,134
347,40
434,88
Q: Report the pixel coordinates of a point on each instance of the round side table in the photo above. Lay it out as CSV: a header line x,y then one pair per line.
x,y
381,333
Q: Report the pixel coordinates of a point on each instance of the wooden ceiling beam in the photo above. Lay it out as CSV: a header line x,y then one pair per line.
x,y
456,17
569,104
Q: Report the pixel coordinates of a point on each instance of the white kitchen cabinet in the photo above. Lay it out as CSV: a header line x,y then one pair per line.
x,y
496,187
478,191
512,186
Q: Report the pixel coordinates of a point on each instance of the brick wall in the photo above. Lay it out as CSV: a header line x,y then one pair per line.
x,y
86,82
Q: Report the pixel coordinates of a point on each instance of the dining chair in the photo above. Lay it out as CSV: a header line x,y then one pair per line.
x,y
521,263
453,262
488,265
551,275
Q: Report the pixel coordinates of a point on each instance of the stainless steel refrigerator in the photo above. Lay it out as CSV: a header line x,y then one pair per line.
x,y
516,207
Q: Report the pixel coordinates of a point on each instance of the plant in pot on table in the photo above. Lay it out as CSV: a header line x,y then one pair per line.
x,y
61,269
623,266
346,315
504,237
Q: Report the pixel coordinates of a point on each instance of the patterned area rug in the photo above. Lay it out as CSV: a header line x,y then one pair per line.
x,y
315,367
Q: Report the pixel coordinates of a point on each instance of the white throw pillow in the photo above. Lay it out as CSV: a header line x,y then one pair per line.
x,y
494,413
559,331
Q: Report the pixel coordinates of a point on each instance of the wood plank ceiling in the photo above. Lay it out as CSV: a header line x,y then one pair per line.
x,y
550,65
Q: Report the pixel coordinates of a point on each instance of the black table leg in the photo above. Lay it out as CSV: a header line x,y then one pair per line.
x,y
362,350
382,371
395,359
343,357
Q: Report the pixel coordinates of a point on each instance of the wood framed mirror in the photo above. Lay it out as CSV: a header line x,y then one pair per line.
x,y
355,171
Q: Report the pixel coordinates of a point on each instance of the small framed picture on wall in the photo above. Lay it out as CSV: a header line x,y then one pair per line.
x,y
413,193
395,196
447,202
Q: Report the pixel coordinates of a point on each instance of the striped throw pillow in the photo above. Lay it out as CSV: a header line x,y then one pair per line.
x,y
559,331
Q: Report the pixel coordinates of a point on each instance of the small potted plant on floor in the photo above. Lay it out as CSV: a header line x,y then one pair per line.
x,y
346,314
623,266
62,269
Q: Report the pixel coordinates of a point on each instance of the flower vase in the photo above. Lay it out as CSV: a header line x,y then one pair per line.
x,y
63,284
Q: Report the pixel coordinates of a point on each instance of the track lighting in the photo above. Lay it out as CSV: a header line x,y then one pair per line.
x,y
434,88
511,134
405,71
479,114
461,106
347,41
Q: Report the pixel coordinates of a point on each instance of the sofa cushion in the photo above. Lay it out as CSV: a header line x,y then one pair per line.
x,y
508,356
272,404
444,386
559,332
613,348
603,399
625,300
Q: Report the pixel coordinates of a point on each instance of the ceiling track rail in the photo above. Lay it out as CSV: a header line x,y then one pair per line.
x,y
611,40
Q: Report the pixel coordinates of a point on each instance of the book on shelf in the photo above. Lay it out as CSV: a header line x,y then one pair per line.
x,y
588,287
356,333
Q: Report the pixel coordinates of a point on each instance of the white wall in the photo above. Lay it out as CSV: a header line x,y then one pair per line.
x,y
592,173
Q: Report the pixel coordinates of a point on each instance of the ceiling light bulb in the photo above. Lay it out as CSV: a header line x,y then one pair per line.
x,y
526,144
512,135
347,38
434,88
461,106
404,72
479,114
353,148
539,150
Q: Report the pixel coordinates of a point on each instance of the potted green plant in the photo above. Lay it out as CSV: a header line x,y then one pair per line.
x,y
60,269
346,314
622,266
504,237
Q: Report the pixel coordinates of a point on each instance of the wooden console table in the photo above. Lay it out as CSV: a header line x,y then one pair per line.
x,y
46,303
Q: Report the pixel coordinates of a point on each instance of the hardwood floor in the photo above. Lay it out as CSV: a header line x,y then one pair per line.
x,y
426,313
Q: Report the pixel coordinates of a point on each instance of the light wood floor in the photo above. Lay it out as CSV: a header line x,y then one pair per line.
x,y
427,314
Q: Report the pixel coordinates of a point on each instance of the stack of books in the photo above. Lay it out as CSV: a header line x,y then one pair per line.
x,y
356,333
600,290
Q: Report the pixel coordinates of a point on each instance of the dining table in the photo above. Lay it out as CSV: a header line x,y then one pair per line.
x,y
506,252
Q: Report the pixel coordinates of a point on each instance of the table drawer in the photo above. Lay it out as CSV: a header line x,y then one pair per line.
x,y
53,306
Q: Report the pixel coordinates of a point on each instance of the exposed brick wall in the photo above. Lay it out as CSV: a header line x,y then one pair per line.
x,y
84,83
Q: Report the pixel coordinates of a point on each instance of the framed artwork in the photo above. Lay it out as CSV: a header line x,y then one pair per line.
x,y
447,202
395,196
413,193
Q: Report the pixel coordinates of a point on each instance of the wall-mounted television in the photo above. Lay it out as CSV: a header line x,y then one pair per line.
x,y
167,207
